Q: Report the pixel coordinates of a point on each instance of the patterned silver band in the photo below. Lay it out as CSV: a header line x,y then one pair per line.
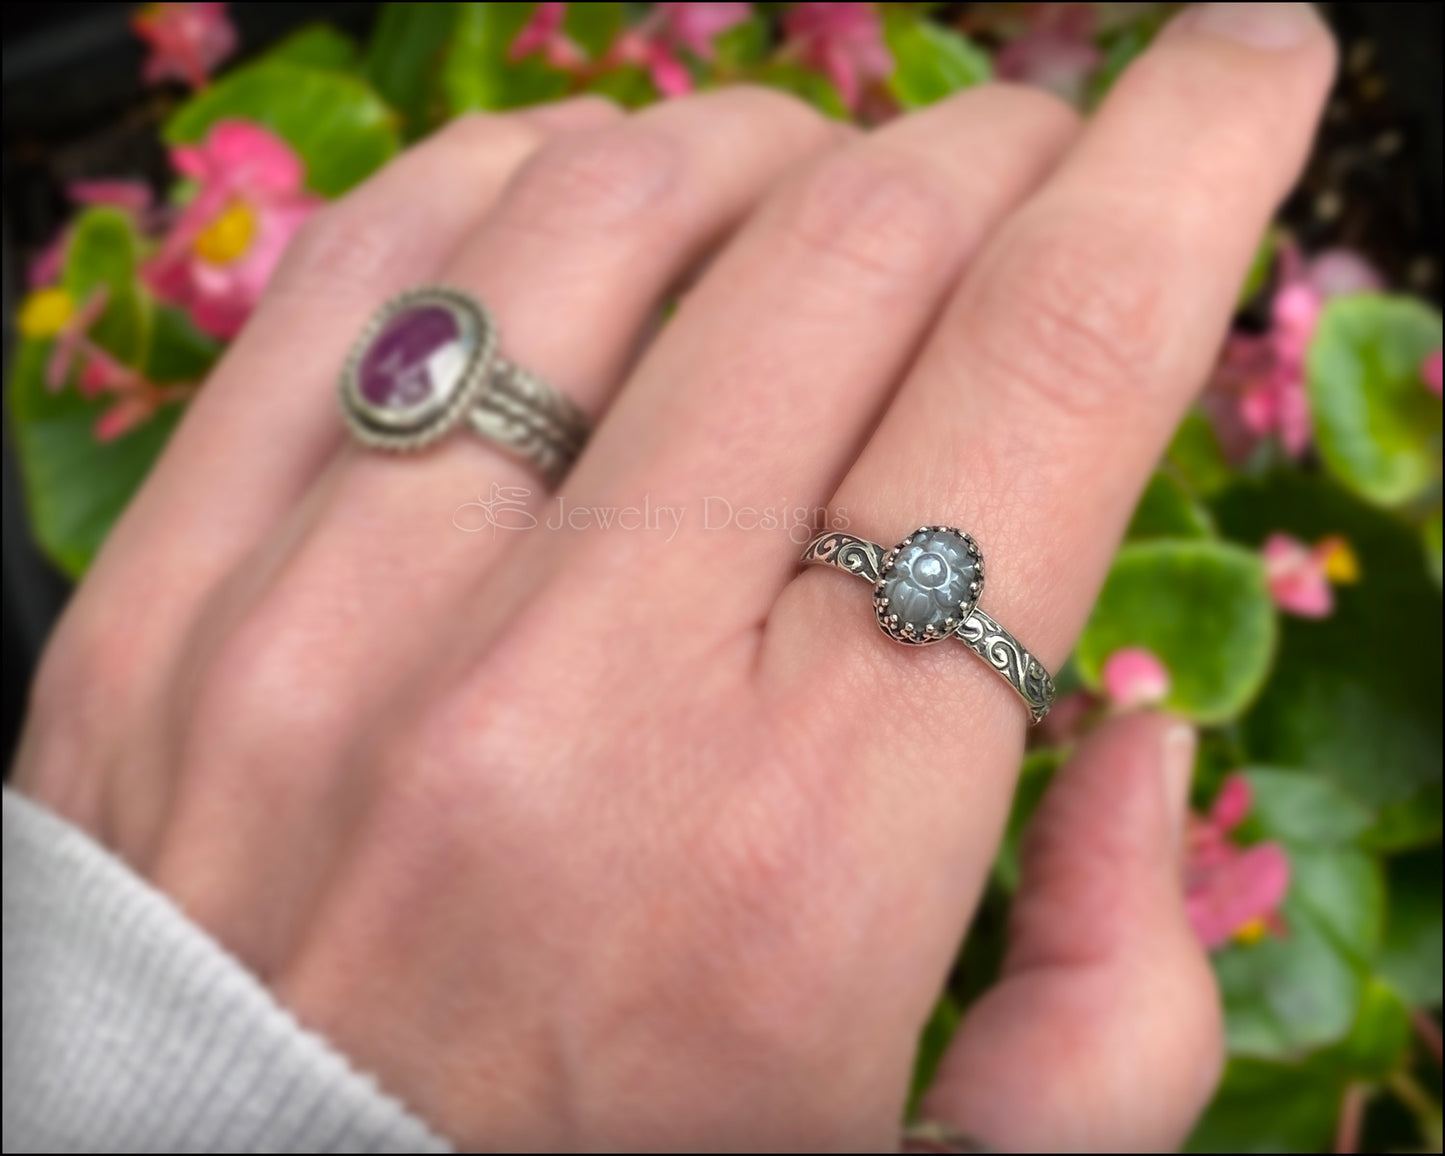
x,y
428,362
882,566
524,415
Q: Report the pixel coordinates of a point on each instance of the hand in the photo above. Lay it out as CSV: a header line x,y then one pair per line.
x,y
642,838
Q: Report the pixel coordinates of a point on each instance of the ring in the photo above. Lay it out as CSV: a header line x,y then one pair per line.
x,y
428,360
926,589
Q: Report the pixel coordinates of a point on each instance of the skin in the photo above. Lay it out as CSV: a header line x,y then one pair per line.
x,y
611,839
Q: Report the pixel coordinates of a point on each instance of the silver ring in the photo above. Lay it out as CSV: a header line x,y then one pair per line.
x,y
926,589
428,359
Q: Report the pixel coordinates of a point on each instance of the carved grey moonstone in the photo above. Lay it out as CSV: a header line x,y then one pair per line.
x,y
930,586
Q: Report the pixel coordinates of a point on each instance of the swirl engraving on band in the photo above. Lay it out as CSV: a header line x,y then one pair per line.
x,y
978,631
1001,650
856,555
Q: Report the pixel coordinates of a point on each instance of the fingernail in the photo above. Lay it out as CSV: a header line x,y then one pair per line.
x,y
1269,26
1180,745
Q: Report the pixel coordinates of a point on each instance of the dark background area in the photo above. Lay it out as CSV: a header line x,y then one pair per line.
x,y
73,99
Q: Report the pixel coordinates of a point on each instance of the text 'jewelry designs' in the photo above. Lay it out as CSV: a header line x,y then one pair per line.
x,y
926,589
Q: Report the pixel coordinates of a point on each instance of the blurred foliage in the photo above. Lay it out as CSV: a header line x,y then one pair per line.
x,y
1336,720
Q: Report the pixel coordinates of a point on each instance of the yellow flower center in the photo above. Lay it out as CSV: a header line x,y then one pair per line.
x,y
1342,565
228,236
44,313
1251,932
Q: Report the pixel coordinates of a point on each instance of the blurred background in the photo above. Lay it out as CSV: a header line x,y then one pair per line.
x,y
1280,584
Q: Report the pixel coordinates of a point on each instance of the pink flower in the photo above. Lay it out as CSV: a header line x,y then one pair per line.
x,y
129,411
1232,892
543,36
659,42
844,41
186,40
1259,385
1430,372
249,203
1300,576
1134,677
73,339
1055,52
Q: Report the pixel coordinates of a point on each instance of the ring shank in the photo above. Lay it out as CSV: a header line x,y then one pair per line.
x,y
521,413
979,632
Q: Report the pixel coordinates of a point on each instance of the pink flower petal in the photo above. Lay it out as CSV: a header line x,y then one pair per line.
x,y
541,32
1248,887
694,26
1430,372
1231,804
842,40
1135,677
47,265
132,196
123,416
187,41
1338,271
1296,578
668,72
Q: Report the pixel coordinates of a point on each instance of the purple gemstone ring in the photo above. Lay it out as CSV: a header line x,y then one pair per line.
x,y
428,360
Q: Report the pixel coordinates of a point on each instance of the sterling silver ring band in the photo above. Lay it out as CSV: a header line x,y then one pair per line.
x,y
926,589
428,360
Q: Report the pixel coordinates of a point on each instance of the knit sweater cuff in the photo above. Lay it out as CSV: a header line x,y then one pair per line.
x,y
127,1028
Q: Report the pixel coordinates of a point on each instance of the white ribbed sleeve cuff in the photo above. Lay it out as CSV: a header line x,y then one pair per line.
x,y
127,1028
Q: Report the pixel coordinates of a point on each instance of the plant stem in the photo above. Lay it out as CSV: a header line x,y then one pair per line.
x,y
1352,1118
1428,1031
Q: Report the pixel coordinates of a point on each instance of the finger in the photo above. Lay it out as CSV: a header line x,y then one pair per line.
x,y
256,435
760,388
1062,364
1103,1034
574,264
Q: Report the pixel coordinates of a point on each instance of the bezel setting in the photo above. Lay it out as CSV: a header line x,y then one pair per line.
x,y
888,620
418,425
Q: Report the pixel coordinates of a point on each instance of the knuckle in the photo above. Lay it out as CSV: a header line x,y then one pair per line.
x,y
1027,104
879,214
781,112
607,178
1073,311
477,132
338,248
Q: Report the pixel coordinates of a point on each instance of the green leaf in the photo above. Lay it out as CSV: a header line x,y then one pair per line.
x,y
104,251
317,46
1038,771
1376,425
1296,807
1195,458
1430,537
1287,994
1166,510
1355,696
477,74
1343,891
1259,268
338,125
594,26
1380,1038
1410,959
930,61
932,1043
742,46
630,86
75,487
1265,1106
1202,607
179,352
1408,823
404,60
804,83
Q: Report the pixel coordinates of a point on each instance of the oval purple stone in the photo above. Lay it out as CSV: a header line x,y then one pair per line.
x,y
412,358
